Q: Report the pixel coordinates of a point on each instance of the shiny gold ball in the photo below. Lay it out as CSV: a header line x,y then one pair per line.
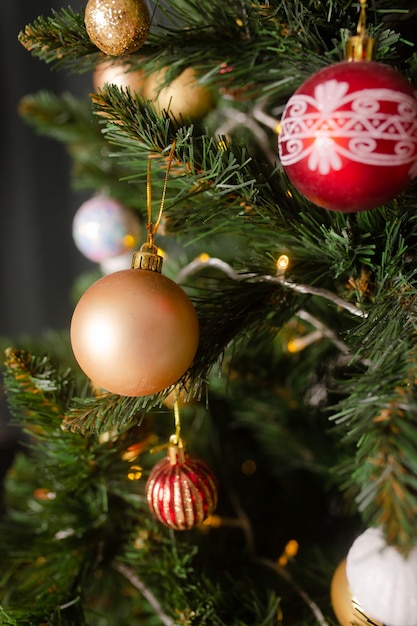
x,y
117,27
134,332
183,97
345,607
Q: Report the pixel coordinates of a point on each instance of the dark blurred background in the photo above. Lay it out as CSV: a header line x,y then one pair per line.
x,y
38,259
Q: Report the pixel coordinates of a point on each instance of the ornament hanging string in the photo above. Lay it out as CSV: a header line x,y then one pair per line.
x,y
155,9
152,228
176,437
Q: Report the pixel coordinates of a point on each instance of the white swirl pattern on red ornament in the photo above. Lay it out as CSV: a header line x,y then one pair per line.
x,y
357,125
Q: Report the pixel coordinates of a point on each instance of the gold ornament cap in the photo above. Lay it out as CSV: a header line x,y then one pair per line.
x,y
360,47
147,258
176,450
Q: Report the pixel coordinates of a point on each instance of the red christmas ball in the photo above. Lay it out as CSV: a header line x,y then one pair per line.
x,y
181,491
348,139
134,332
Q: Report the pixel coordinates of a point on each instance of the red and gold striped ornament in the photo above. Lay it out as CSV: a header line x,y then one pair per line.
x,y
181,491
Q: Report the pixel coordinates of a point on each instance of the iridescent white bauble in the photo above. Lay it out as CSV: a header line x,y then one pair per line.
x,y
103,228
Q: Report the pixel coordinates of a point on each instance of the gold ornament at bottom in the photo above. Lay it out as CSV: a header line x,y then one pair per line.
x,y
347,610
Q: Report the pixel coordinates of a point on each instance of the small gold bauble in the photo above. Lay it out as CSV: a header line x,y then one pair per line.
x,y
183,97
118,74
345,607
117,27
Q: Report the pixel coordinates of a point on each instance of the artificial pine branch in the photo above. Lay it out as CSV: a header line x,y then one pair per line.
x,y
103,412
256,36
58,39
77,506
37,391
64,118
384,421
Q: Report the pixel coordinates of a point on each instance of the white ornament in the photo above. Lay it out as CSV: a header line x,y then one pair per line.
x,y
103,228
382,580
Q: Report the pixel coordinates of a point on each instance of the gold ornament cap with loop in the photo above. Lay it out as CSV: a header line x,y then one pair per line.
x,y
360,47
147,258
176,450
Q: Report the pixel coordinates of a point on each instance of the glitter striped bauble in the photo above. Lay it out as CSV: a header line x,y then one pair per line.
x,y
181,491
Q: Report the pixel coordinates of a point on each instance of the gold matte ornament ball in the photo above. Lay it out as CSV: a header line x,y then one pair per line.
x,y
345,607
118,74
117,27
134,332
183,97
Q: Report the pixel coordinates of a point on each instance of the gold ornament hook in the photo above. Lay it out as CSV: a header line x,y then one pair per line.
x,y
177,421
147,258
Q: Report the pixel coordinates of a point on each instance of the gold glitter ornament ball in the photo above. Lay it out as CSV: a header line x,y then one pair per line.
x,y
117,27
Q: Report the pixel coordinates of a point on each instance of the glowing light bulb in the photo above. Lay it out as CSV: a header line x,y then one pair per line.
x,y
282,263
135,473
289,552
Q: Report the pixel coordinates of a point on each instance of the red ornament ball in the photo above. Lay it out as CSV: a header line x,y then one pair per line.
x,y
181,491
134,332
348,139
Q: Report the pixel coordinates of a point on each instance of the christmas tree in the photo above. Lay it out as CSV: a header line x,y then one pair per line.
x,y
226,434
